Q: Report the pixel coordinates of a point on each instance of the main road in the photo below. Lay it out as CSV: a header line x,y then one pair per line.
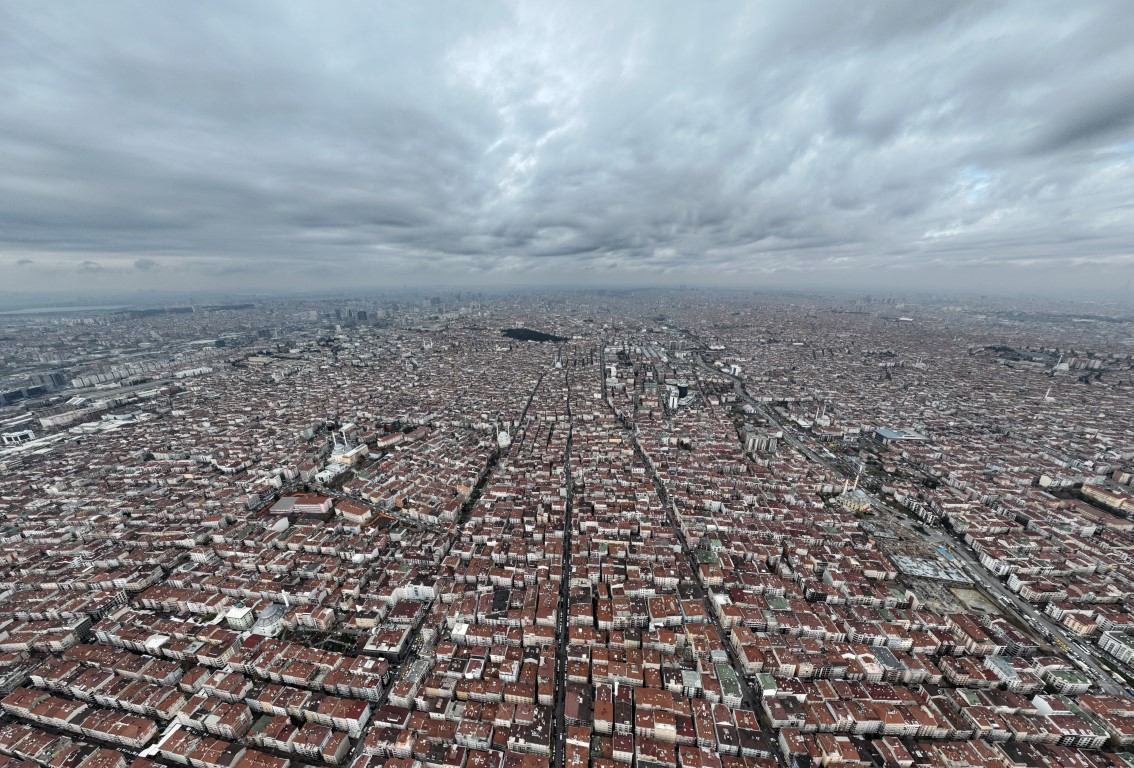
x,y
751,699
984,580
559,738
1040,622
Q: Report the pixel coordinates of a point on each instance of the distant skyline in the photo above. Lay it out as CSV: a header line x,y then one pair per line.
x,y
157,148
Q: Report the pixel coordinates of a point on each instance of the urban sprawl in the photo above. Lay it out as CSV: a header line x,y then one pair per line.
x,y
579,530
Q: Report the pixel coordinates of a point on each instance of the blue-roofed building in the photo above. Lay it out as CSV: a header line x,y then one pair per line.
x,y
886,436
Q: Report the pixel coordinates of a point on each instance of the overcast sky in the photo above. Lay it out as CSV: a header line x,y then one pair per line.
x,y
253,146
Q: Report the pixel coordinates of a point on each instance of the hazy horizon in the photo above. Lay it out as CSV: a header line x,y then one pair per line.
x,y
65,302
264,148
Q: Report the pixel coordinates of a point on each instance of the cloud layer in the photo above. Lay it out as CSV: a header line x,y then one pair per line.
x,y
259,144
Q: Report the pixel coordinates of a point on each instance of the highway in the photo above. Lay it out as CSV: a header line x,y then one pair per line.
x,y
983,580
1040,623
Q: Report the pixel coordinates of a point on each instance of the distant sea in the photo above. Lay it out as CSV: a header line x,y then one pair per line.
x,y
60,310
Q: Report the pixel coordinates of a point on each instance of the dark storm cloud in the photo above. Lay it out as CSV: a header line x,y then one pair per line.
x,y
1108,115
260,141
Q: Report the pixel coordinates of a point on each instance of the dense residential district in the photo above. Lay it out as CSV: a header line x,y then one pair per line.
x,y
579,530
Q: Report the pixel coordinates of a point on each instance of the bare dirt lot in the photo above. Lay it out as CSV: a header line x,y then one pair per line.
x,y
974,600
